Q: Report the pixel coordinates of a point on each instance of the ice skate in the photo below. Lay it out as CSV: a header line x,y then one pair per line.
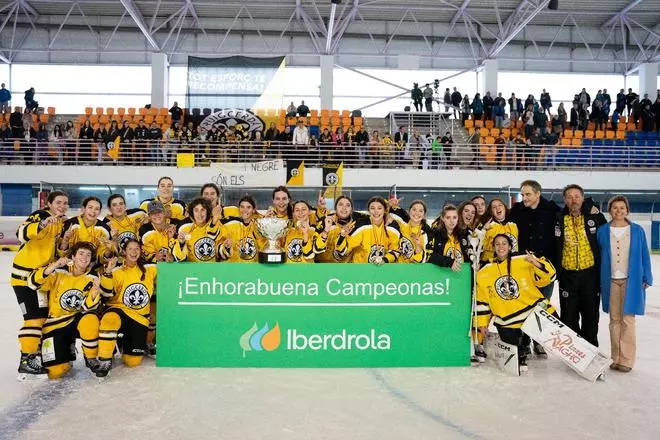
x,y
103,368
30,367
480,353
92,364
539,351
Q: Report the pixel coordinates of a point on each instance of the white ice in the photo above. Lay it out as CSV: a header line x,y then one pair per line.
x,y
478,402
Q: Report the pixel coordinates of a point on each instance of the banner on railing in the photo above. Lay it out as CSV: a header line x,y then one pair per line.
x,y
312,315
295,172
333,179
267,173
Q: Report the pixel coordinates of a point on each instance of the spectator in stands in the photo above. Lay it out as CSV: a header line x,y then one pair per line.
x,y
447,149
534,145
16,123
428,98
387,151
630,99
291,110
112,135
70,145
456,100
285,139
99,136
541,121
518,154
362,141
86,136
655,109
30,103
500,150
546,102
528,118
41,143
513,107
126,135
338,141
171,144
373,147
636,112
416,96
418,145
584,97
400,144
349,144
300,134
575,117
5,97
437,159
302,109
615,120
647,118
155,135
488,103
465,108
607,106
141,135
562,117
447,100
325,144
176,112
597,114
646,101
583,118
5,142
529,102
477,107
498,114
621,101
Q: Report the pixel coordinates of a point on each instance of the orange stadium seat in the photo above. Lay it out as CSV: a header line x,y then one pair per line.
x,y
576,142
469,123
599,134
494,132
164,111
110,111
566,142
621,135
88,111
489,123
99,111
131,111
568,134
610,134
142,111
121,111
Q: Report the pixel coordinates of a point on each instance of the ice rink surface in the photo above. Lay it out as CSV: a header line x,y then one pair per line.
x,y
480,402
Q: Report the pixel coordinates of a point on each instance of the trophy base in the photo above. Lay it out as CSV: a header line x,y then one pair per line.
x,y
271,257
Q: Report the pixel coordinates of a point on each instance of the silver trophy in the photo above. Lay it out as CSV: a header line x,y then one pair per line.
x,y
273,228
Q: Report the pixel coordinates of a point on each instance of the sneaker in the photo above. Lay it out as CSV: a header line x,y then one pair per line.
x,y
31,364
92,364
480,353
539,351
103,368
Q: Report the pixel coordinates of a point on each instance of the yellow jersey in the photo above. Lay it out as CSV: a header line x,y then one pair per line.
x,y
155,242
93,234
368,241
511,296
68,295
126,228
510,229
200,241
38,246
246,241
127,289
299,251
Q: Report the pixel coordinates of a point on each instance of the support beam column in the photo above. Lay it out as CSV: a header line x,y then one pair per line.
x,y
489,78
159,80
327,85
648,80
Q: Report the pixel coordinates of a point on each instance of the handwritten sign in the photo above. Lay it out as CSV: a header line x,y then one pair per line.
x,y
268,173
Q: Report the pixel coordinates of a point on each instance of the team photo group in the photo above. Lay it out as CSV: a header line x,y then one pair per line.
x,y
93,276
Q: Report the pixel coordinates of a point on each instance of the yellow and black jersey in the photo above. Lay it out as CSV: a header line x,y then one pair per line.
x,y
509,228
95,234
229,211
331,255
175,209
156,241
68,295
299,251
368,241
511,296
409,252
444,249
128,227
200,240
129,291
38,246
246,241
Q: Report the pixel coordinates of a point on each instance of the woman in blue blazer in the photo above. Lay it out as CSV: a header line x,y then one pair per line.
x,y
625,273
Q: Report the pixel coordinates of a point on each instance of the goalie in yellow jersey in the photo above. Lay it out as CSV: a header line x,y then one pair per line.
x,y
508,291
128,289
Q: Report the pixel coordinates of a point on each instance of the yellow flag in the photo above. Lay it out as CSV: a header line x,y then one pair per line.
x,y
113,148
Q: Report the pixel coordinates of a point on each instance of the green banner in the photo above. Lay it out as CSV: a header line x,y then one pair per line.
x,y
312,315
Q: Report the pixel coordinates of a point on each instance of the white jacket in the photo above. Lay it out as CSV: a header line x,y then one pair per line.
x,y
300,136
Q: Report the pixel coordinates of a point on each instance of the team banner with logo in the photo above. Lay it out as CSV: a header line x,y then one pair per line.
x,y
333,179
312,315
267,173
235,82
295,172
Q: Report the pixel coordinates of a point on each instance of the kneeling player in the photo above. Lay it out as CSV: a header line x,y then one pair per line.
x,y
507,288
73,295
129,289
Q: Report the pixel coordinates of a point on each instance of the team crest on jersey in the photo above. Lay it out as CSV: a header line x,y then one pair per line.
x,y
124,237
376,250
406,247
295,249
71,300
247,248
507,287
455,254
204,249
136,296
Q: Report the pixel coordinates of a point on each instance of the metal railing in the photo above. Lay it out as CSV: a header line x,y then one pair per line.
x,y
509,156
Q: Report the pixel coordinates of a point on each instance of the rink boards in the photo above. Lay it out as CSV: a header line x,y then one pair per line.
x,y
312,315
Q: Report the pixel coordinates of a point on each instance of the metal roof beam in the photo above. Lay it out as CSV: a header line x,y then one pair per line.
x,y
524,13
621,13
133,11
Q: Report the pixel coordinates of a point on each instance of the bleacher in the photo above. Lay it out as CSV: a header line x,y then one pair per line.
x,y
41,116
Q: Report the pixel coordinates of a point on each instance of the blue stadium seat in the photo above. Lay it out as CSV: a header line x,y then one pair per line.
x,y
641,136
314,131
651,135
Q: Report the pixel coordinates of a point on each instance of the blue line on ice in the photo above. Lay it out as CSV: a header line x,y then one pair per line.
x,y
416,407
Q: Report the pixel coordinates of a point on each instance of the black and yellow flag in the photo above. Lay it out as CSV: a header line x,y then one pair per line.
x,y
333,179
113,148
295,172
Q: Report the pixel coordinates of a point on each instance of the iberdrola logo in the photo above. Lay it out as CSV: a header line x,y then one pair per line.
x,y
260,339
